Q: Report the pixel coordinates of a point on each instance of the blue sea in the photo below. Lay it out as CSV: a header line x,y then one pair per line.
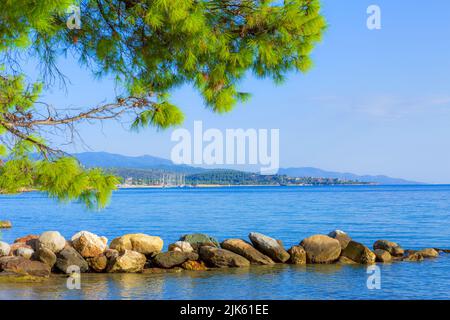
x,y
414,216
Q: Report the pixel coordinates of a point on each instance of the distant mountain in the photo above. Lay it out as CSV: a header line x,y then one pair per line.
x,y
102,159
147,162
318,173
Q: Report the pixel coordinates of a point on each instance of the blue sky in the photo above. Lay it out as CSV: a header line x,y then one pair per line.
x,y
375,102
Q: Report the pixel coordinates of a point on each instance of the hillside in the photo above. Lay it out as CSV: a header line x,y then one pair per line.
x,y
314,172
154,169
145,162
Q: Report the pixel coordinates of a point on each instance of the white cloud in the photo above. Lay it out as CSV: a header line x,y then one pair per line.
x,y
386,106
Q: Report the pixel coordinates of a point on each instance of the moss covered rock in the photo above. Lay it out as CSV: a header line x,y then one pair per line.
x,y
196,240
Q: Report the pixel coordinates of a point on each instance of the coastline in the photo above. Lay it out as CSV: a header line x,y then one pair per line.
x,y
236,185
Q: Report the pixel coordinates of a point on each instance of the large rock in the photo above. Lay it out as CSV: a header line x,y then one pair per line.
x,y
340,236
138,242
392,247
24,266
321,249
98,263
127,261
194,265
428,253
269,246
70,257
245,249
221,258
298,255
173,258
359,253
16,246
413,257
46,256
52,240
382,255
181,246
26,253
30,240
88,244
196,240
5,249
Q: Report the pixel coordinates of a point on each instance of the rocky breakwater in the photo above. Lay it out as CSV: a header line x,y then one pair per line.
x,y
38,256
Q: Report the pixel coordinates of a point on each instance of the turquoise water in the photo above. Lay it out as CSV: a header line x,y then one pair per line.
x,y
414,216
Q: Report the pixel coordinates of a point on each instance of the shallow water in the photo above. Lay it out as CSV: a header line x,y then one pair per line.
x,y
414,216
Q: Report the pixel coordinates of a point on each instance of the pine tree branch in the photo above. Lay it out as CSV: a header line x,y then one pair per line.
x,y
104,112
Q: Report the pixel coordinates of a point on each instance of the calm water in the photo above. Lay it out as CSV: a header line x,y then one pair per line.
x,y
414,216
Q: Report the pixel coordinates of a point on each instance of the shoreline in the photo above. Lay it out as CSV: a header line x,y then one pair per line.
x,y
238,185
124,186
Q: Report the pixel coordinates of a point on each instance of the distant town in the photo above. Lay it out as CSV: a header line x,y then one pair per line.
x,y
221,177
150,171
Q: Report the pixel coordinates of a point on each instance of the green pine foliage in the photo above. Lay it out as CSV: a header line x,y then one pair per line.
x,y
162,116
63,179
150,47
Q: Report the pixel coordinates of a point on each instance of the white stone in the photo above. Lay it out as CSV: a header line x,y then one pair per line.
x,y
89,244
52,240
4,249
181,246
26,253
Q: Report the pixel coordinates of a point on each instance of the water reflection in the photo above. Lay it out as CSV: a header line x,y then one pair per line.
x,y
256,282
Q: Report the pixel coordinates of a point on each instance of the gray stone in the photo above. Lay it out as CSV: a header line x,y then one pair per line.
x,y
70,257
245,249
173,258
269,246
221,258
46,256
